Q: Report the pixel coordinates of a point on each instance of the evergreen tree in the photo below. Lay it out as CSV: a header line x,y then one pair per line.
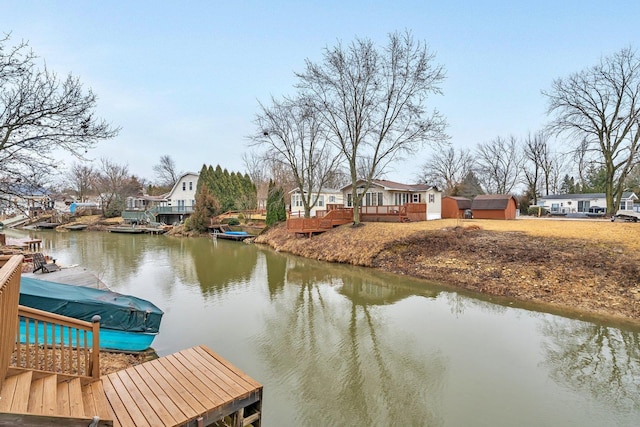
x,y
206,207
271,205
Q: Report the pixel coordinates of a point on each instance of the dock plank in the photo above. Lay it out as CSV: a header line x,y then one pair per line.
x,y
130,405
180,384
178,389
165,392
8,392
219,380
210,353
198,388
152,419
155,399
117,409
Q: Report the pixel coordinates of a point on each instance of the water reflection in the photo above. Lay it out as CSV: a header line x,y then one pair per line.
x,y
602,360
338,358
338,345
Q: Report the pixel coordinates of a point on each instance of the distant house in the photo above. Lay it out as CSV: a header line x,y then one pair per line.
x,y
326,196
390,193
584,203
27,198
494,206
178,204
454,206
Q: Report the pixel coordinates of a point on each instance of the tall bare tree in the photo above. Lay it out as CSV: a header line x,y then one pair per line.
x,y
600,108
166,171
292,133
114,184
80,178
499,164
372,102
447,168
41,114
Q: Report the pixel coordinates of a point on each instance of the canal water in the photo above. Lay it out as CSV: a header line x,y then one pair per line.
x,y
336,345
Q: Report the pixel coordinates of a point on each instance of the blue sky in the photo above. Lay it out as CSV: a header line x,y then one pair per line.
x,y
184,78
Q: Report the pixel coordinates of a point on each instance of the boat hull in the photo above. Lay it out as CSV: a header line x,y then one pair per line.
x,y
110,339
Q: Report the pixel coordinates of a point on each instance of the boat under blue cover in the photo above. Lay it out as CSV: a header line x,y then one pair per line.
x,y
127,323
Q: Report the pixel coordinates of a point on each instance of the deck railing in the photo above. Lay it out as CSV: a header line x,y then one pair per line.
x,y
39,340
10,271
54,343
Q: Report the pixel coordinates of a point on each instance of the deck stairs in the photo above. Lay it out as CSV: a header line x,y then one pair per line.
x,y
41,398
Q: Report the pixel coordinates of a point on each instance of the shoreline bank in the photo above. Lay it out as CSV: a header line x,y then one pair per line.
x,y
586,268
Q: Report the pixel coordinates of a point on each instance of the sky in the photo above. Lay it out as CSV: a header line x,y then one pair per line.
x,y
184,78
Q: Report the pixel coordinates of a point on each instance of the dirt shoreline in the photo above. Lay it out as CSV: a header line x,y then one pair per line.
x,y
583,267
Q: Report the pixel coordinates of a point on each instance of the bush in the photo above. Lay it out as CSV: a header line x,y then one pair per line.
x,y
533,211
233,221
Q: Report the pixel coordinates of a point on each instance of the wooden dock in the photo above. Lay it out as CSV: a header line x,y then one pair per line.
x,y
194,387
73,275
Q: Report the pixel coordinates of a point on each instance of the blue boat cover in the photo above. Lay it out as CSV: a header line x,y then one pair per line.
x,y
117,311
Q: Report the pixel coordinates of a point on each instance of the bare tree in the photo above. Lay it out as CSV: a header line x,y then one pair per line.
x,y
373,102
447,168
114,185
292,133
166,172
499,164
41,114
600,108
80,178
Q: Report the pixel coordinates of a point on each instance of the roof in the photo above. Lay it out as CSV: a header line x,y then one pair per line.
x,y
492,202
462,202
585,196
395,186
322,191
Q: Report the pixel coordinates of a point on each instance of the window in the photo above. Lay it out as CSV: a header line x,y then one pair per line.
x,y
184,186
320,201
190,185
583,205
380,201
555,207
416,198
432,198
349,201
332,199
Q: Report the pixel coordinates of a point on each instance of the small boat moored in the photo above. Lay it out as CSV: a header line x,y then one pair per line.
x,y
127,323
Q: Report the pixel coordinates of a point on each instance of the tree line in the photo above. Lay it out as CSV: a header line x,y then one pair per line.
x,y
351,114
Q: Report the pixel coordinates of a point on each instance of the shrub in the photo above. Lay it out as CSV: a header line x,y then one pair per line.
x,y
533,211
233,221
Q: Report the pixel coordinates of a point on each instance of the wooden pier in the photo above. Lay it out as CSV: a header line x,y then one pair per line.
x,y
194,387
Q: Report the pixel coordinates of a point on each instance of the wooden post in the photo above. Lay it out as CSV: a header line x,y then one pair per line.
x,y
239,418
95,350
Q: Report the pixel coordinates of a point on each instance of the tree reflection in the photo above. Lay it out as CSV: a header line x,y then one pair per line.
x,y
601,360
333,326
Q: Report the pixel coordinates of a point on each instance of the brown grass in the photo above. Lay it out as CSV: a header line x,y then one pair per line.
x,y
583,265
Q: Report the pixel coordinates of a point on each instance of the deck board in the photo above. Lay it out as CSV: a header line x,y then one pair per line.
x,y
155,399
178,389
117,409
171,399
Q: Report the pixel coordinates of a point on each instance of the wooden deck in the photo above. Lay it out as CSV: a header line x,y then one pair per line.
x,y
194,387
58,384
322,222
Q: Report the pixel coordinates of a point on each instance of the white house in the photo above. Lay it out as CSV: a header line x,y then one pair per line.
x,y
180,201
390,193
583,203
326,196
